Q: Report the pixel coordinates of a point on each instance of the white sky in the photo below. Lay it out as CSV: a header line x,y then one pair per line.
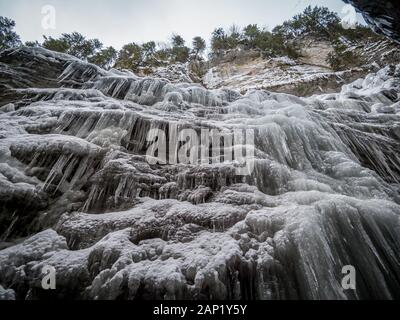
x,y
117,22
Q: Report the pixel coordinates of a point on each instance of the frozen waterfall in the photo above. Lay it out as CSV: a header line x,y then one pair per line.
x,y
77,193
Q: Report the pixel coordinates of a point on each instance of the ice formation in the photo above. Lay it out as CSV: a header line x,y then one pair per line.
x,y
77,192
382,16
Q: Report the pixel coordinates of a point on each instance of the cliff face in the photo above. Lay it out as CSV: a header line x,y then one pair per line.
x,y
78,192
310,74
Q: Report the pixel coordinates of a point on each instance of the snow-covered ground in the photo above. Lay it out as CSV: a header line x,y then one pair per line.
x,y
79,195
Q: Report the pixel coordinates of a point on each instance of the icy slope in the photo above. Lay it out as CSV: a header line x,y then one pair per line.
x,y
76,186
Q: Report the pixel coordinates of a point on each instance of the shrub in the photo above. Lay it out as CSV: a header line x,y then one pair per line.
x,y
342,58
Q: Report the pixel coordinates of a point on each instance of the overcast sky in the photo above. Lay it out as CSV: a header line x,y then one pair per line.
x,y
117,22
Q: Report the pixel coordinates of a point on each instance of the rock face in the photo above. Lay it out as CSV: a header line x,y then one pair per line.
x,y
382,15
78,193
310,74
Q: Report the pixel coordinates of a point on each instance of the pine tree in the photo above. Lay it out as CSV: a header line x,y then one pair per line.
x,y
199,45
8,37
130,57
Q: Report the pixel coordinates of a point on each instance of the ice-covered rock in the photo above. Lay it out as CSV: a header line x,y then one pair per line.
x,y
6,294
79,194
382,16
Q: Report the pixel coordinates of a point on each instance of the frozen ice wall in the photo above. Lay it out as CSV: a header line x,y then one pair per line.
x,y
77,193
